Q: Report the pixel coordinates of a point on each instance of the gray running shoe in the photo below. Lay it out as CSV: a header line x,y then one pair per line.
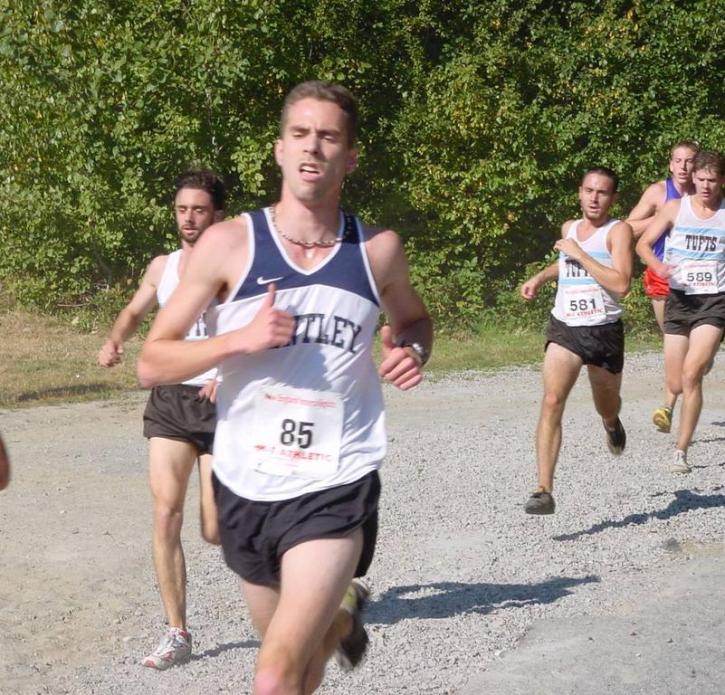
x,y
679,464
174,648
540,502
353,647
616,438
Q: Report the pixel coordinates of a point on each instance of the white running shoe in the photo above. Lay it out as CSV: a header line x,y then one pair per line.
x,y
680,465
174,648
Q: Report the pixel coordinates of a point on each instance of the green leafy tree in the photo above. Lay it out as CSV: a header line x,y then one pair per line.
x,y
477,120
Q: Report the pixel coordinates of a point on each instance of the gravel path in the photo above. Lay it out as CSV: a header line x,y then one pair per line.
x,y
464,582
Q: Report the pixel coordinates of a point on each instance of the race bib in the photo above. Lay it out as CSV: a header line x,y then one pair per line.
x,y
699,277
583,302
297,432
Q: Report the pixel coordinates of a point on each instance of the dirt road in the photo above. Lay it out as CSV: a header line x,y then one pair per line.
x,y
470,595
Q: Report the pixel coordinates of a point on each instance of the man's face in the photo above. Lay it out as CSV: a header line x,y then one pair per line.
x,y
708,185
195,212
312,150
681,164
596,195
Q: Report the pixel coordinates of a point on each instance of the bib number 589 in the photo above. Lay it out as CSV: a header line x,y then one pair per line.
x,y
299,433
705,276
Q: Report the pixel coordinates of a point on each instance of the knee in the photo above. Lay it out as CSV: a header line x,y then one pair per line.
x,y
675,386
276,678
691,378
553,403
167,518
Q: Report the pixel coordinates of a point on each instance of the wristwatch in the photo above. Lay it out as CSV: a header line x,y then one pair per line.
x,y
416,347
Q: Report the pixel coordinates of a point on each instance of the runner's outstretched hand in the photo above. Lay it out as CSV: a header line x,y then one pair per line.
x,y
110,354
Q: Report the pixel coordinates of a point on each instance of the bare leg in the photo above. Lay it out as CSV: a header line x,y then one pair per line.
x,y
4,466
675,350
340,628
658,305
170,464
605,392
561,369
207,504
704,343
295,620
262,602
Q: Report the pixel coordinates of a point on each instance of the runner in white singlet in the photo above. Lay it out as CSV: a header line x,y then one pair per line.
x,y
594,272
694,264
301,431
179,419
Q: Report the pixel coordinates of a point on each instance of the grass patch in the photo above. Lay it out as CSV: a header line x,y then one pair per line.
x,y
493,348
45,360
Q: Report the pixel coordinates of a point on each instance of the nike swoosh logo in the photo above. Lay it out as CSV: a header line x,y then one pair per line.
x,y
265,281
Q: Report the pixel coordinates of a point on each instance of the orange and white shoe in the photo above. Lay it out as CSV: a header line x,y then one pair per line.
x,y
174,648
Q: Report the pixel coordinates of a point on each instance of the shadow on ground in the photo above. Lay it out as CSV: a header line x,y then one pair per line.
x,y
221,648
446,599
72,390
685,501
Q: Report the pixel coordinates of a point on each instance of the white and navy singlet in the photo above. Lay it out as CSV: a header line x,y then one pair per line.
x,y
308,415
168,283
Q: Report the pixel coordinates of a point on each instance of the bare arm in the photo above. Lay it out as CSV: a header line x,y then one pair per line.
x,y
166,358
4,466
128,320
643,213
408,318
616,279
662,223
531,287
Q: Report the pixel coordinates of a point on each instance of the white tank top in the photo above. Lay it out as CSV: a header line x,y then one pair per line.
x,y
168,283
309,415
580,299
696,247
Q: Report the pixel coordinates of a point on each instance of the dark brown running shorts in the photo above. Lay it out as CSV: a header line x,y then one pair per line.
x,y
177,412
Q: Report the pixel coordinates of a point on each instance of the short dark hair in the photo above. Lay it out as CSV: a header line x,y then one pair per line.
x,y
604,171
204,180
710,159
324,91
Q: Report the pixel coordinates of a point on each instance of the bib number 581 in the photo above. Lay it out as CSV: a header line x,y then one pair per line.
x,y
582,304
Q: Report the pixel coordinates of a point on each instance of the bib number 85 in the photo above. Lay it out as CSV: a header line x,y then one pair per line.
x,y
299,433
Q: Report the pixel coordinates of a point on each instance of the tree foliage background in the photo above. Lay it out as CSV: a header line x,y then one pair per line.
x,y
477,121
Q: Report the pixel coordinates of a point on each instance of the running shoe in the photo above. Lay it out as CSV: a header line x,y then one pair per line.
x,y
352,648
616,438
679,464
174,648
540,502
662,419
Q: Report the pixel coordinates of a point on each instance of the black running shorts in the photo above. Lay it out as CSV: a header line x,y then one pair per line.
x,y
683,312
177,412
255,535
599,346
